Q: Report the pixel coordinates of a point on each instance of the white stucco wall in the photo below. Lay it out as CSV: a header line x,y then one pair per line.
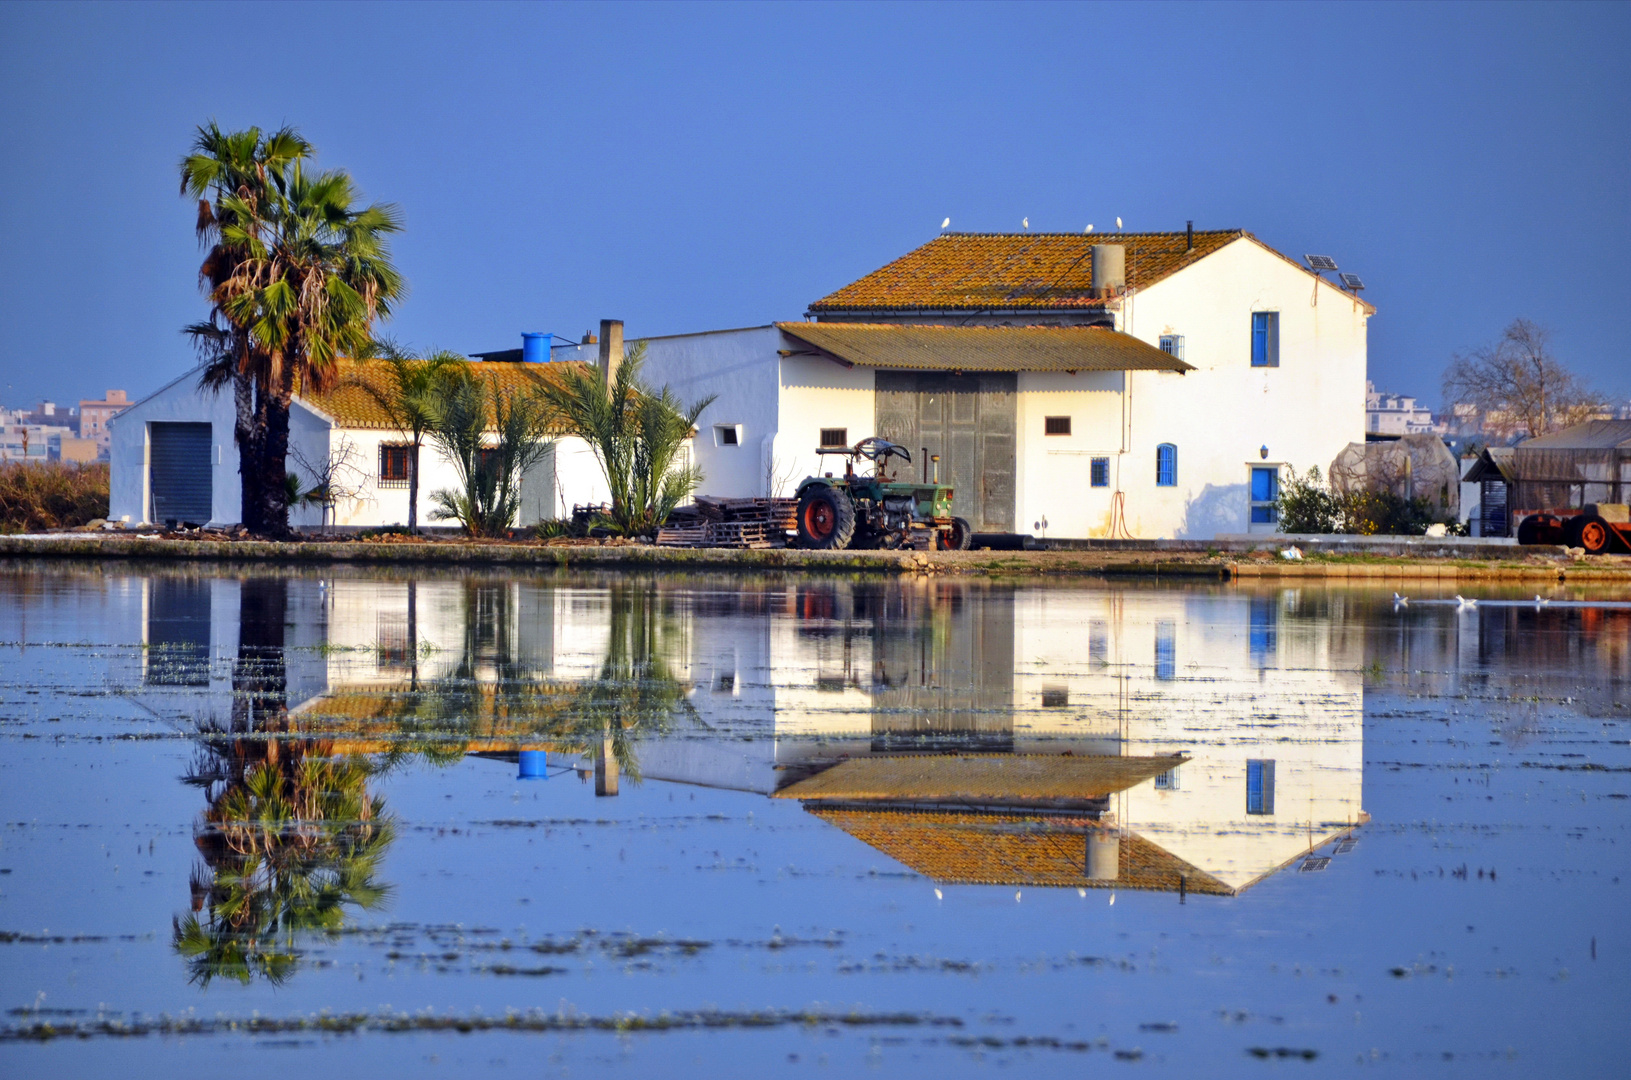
x,y
569,475
1220,415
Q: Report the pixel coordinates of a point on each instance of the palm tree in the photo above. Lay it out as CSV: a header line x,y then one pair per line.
x,y
237,178
636,434
410,401
307,296
492,438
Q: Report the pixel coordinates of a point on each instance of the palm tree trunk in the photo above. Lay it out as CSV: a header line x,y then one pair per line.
x,y
274,459
243,434
413,486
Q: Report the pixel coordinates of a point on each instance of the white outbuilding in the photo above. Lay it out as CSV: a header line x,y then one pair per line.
x,y
174,458
1148,385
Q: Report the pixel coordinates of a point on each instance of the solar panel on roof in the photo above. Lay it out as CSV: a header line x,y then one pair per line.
x,y
1321,262
1351,281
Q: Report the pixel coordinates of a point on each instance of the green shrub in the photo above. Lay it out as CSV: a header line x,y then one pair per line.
x,y
1308,506
51,495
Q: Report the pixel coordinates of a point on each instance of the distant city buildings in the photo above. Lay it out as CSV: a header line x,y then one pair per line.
x,y
1398,414
49,432
94,417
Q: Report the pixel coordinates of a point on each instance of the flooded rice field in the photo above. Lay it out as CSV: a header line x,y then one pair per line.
x,y
592,824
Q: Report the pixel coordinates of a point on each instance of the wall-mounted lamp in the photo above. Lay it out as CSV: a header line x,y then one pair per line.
x,y
1263,452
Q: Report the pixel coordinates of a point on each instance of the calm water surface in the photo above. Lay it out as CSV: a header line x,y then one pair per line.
x,y
569,824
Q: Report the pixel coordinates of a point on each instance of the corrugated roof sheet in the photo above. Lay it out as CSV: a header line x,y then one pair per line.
x,y
352,406
997,271
983,348
1013,849
1495,462
1591,435
978,778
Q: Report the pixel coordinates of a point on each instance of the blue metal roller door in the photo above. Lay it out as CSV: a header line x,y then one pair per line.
x,y
179,472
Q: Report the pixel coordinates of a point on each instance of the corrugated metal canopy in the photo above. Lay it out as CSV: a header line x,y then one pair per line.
x,y
1591,435
982,348
978,778
1496,462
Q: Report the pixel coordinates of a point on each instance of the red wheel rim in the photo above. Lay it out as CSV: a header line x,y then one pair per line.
x,y
819,520
1593,537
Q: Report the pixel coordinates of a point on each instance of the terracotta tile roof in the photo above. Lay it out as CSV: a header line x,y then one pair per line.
x,y
982,348
352,406
1013,849
978,779
1016,271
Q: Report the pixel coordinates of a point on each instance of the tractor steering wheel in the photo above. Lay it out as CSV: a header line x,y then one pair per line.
x,y
878,450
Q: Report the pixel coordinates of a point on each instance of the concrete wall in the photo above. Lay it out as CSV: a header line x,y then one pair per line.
x,y
180,401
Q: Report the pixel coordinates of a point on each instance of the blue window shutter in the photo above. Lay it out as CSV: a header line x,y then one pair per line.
x,y
1166,465
1260,339
1100,472
1259,787
1273,338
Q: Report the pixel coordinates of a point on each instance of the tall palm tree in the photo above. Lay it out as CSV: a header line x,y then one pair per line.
x,y
409,399
307,296
237,178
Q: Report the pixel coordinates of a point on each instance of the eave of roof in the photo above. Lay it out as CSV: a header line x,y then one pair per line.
x,y
920,347
978,779
1590,435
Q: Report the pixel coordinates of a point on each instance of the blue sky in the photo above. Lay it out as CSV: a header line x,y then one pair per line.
x,y
694,167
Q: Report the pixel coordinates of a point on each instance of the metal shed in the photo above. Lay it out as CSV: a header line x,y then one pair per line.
x,y
1563,471
1494,474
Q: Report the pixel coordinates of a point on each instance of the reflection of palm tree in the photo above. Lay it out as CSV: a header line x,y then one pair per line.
x,y
291,835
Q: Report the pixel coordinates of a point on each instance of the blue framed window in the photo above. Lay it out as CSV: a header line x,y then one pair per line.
x,y
1264,629
1265,494
1173,345
1166,650
1265,339
1259,787
1099,472
1166,465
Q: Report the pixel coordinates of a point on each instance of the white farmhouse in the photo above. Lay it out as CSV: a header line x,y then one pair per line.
x,y
1148,385
174,458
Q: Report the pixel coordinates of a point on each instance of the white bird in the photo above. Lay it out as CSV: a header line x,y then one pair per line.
x,y
1112,899
1081,892
1539,601
1089,228
1400,601
1118,224
1025,222
1462,603
937,894
1016,896
946,224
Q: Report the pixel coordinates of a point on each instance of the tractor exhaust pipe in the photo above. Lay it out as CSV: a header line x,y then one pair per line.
x,y
923,457
936,460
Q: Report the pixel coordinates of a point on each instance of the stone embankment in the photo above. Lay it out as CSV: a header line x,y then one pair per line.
x,y
1155,559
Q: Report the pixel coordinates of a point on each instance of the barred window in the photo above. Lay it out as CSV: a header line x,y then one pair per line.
x,y
1100,472
1166,465
394,463
1056,425
834,436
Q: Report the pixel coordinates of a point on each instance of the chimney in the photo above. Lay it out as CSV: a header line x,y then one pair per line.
x,y
611,348
1109,269
1190,233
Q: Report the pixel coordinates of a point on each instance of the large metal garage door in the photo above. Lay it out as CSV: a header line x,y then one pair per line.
x,y
969,421
180,473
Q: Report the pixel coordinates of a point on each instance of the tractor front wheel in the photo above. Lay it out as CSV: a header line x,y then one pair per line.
x,y
826,519
1594,533
958,537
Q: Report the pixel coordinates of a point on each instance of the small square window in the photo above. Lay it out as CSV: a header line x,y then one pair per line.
x,y
1173,345
1056,425
1099,472
1167,781
727,434
834,436
394,463
1055,697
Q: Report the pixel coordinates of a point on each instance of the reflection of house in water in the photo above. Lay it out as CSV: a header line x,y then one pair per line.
x,y
1267,711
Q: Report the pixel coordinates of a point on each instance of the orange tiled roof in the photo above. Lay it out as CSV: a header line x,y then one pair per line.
x,y
1013,849
979,778
1016,271
352,406
918,347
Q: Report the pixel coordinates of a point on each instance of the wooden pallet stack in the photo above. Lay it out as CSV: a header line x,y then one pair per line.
x,y
732,523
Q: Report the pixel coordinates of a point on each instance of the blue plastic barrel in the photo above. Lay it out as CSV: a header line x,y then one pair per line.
x,y
533,764
535,348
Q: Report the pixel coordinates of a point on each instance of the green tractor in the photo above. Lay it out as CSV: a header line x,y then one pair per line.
x,y
876,511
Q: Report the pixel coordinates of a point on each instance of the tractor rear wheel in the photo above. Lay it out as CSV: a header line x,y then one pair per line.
x,y
1595,534
826,519
1529,530
958,537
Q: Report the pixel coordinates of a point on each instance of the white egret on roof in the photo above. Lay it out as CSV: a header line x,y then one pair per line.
x,y
1088,229
946,224
1118,224
1025,222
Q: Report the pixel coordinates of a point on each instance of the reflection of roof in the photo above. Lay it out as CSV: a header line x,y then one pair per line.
x,y
1003,271
352,405
978,779
1013,849
1591,435
983,348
